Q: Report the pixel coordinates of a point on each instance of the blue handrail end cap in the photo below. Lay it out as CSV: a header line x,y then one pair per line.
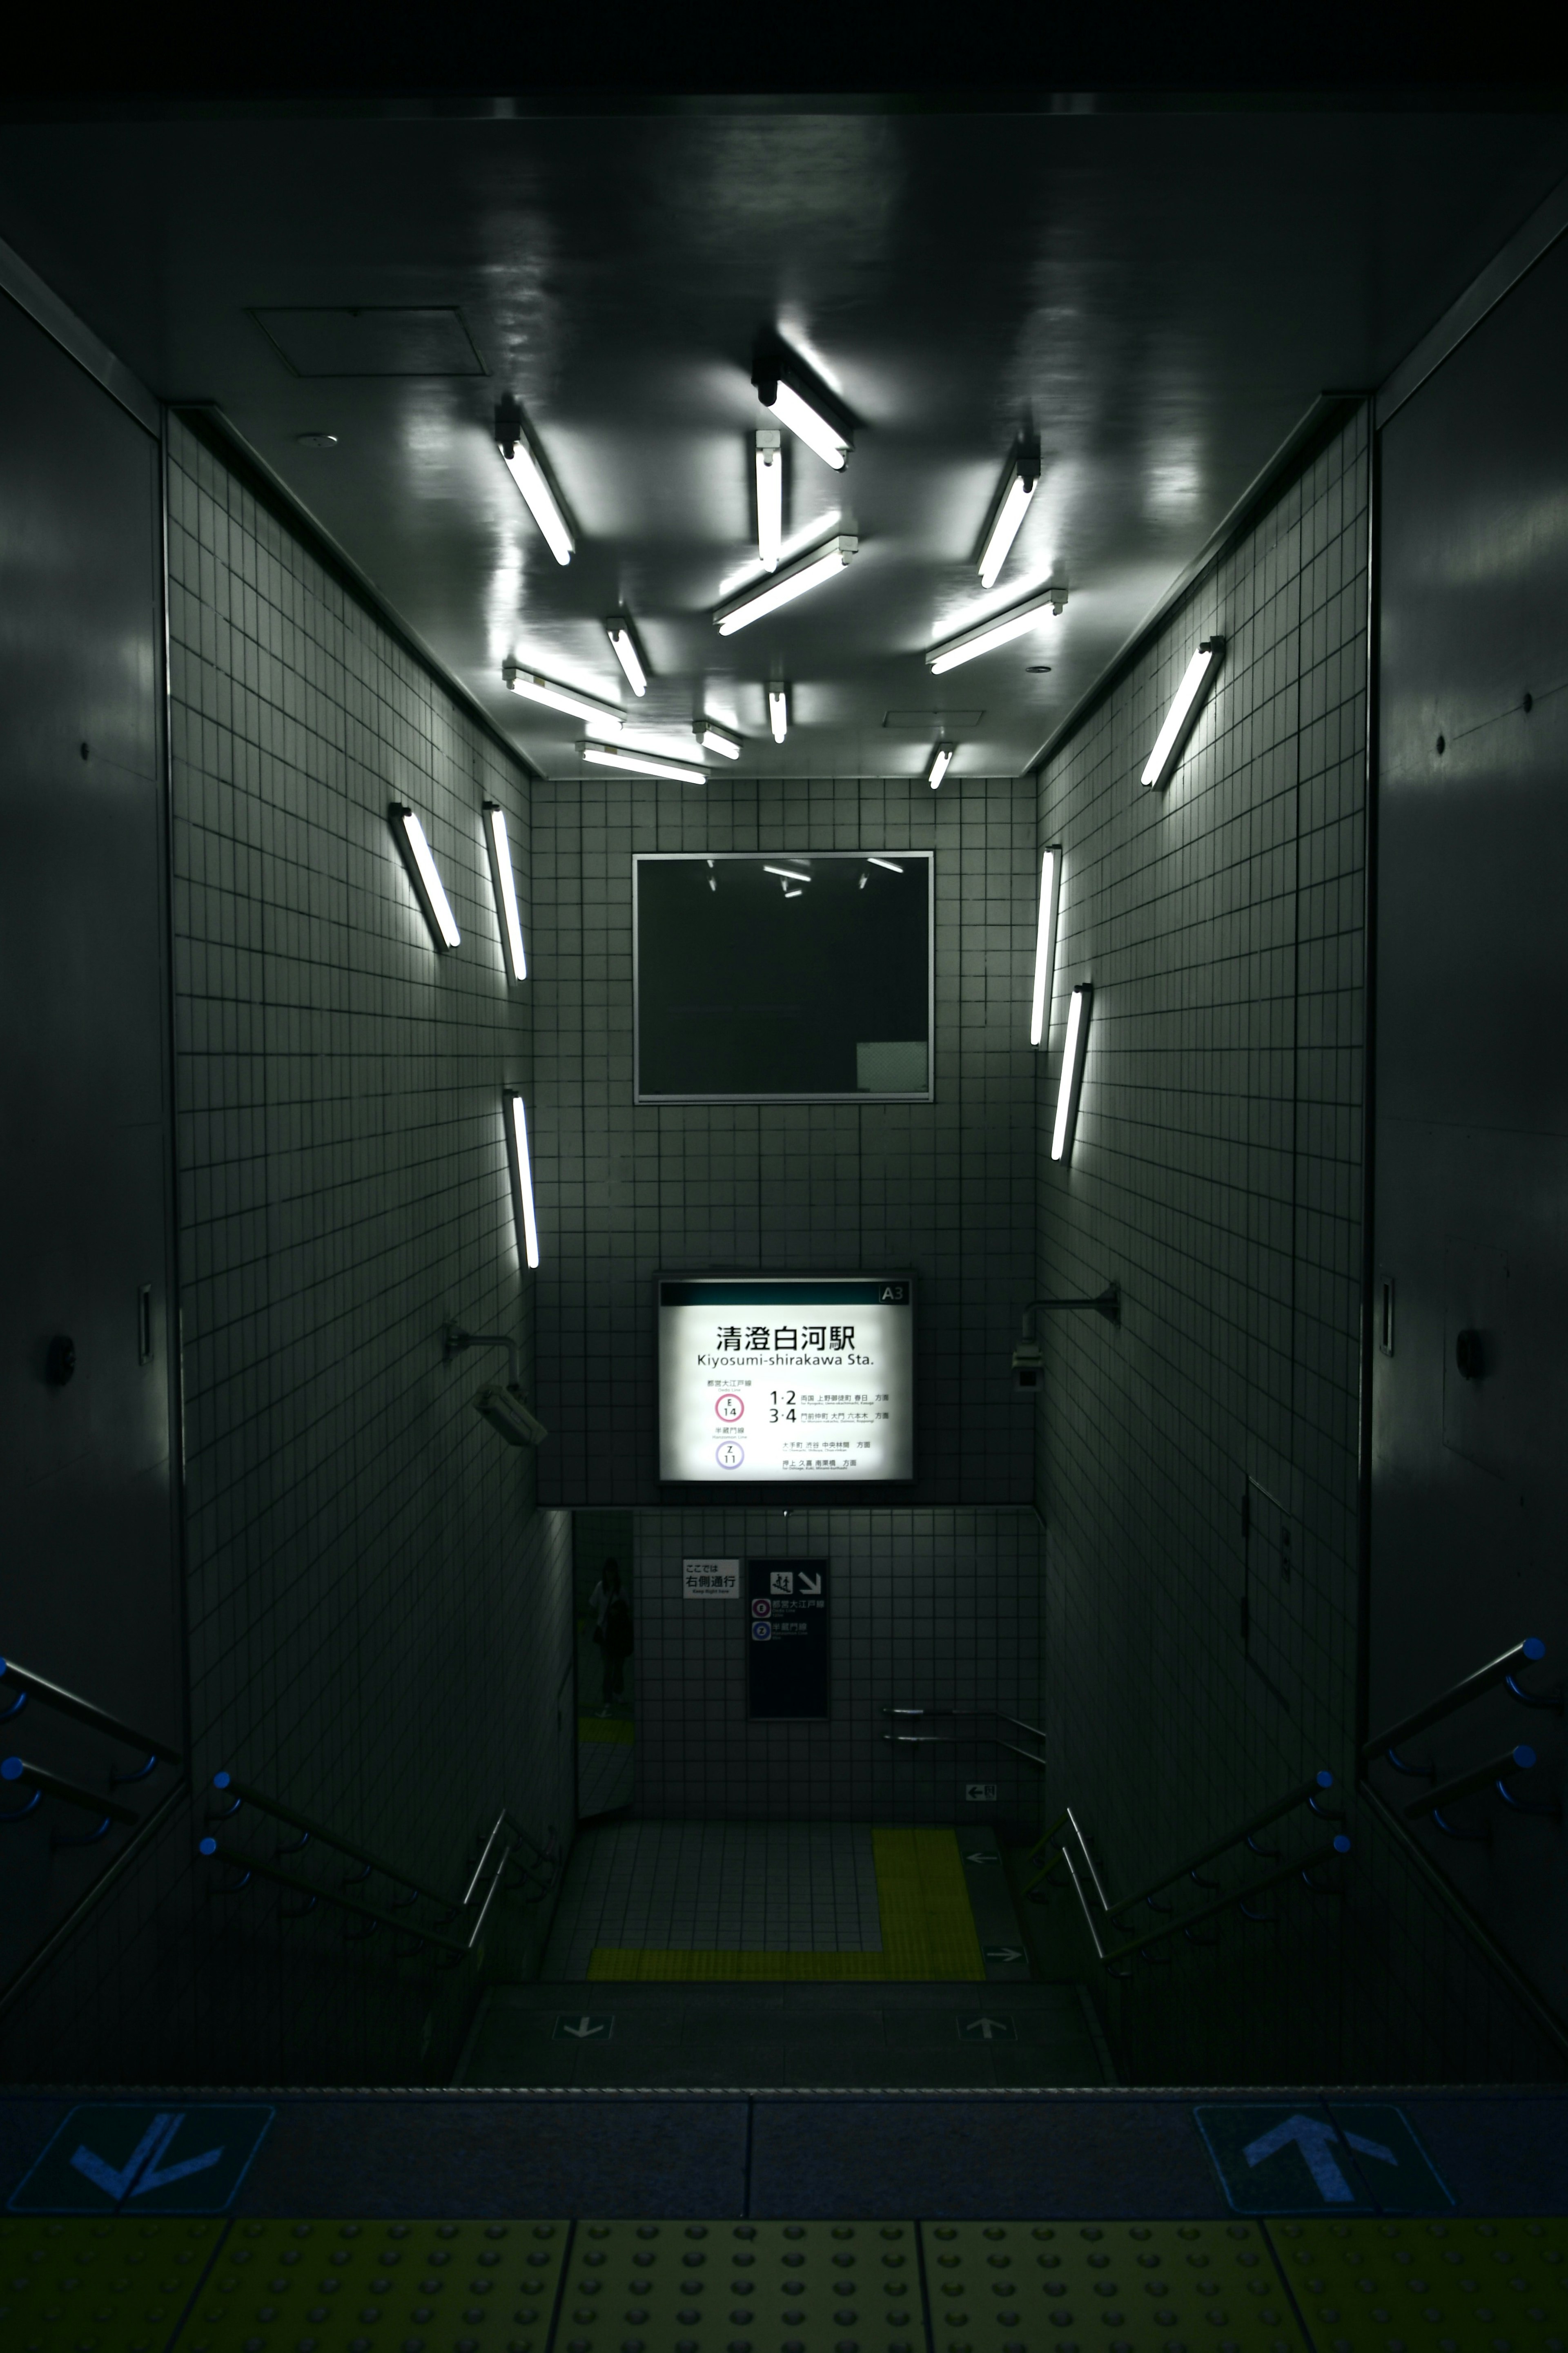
x,y
3,1664
207,1846
1325,1781
11,1770
1532,1646
1524,1757
220,1780
1342,1844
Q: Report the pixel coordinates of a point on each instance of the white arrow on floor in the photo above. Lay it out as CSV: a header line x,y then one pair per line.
x,y
584,2028
987,2026
1002,1953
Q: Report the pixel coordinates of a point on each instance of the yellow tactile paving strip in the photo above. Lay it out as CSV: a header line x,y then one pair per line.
x,y
110,2287
743,2287
928,1931
379,2287
1429,2287
1105,2287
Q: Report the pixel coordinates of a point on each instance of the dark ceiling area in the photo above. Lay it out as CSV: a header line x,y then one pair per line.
x,y
1159,296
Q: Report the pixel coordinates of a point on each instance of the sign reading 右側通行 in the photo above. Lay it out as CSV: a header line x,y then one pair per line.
x,y
786,1640
788,1377
711,1580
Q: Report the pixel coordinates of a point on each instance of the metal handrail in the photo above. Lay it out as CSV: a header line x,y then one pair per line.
x,y
1500,1669
1339,1845
211,1847
51,1784
66,1702
1465,1785
970,1714
1307,1794
245,1795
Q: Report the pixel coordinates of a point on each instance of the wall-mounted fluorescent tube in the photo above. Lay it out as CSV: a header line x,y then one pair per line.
x,y
769,497
640,763
522,464
778,713
999,632
623,646
428,887
829,441
1046,943
715,739
1183,715
808,572
889,865
941,761
1072,1069
521,1177
505,884
1018,488
788,873
602,717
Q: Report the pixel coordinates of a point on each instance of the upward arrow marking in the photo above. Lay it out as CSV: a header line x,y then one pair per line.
x,y
1312,2137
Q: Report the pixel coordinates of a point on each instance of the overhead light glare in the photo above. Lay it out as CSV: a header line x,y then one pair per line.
x,y
941,761
1183,715
1072,1069
714,739
623,645
808,572
522,464
428,883
602,717
792,894
505,889
889,865
1019,485
527,1225
1046,943
769,497
808,424
640,763
788,873
999,632
778,713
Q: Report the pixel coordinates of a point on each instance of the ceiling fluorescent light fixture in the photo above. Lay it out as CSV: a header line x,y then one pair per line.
x,y
1046,943
999,632
786,873
1183,715
522,463
602,717
716,739
428,887
1011,505
778,713
941,761
505,885
808,572
786,386
623,646
888,865
769,497
1072,1070
526,1223
641,764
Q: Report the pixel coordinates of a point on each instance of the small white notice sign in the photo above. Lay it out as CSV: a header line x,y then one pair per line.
x,y
711,1580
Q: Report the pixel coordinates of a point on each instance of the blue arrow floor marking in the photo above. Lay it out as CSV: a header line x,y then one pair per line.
x,y
114,2181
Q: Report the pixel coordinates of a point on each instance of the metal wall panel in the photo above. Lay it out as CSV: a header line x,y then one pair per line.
x,y
89,1586
1470,1476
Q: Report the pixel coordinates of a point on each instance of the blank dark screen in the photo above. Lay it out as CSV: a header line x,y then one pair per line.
x,y
743,991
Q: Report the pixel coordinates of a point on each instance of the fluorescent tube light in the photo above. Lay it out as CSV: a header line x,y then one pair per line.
x,y
527,1225
941,761
831,444
1183,715
788,872
1019,484
505,889
623,645
891,864
778,713
808,572
999,632
1045,943
602,717
522,464
641,764
769,497
428,887
714,739
792,894
1072,1069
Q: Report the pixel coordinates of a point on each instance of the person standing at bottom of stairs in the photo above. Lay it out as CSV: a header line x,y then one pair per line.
x,y
613,1633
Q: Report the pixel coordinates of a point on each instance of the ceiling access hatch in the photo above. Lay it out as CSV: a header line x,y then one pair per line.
x,y
372,339
932,723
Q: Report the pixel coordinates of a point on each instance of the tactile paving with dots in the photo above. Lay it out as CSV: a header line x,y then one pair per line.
x,y
109,2286
743,2287
379,2287
1105,2287
1429,2287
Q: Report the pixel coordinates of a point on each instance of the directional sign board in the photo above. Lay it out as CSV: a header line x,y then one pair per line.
x,y
134,2157
786,1640
580,2026
1347,2157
